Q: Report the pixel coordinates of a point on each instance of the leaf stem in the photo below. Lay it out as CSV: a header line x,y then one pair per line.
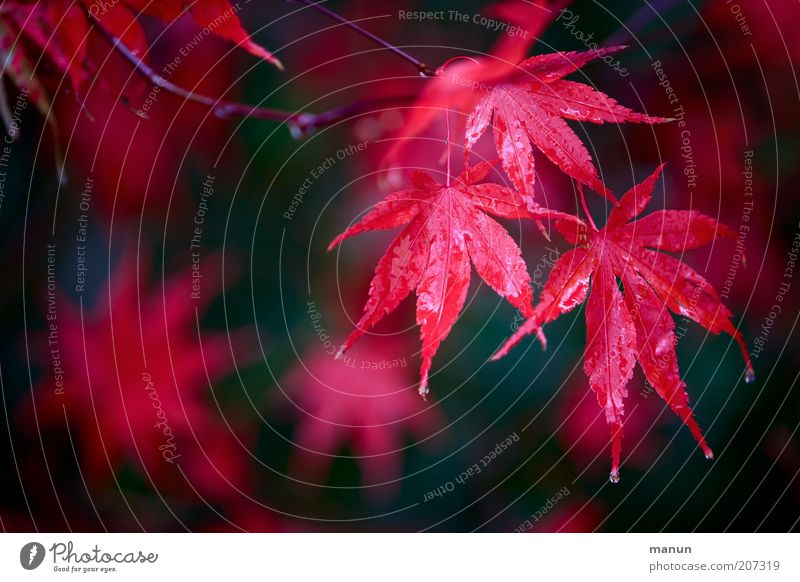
x,y
447,141
300,124
422,68
586,208
638,21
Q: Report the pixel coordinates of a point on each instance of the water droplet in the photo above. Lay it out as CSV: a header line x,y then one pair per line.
x,y
423,391
709,454
749,376
614,477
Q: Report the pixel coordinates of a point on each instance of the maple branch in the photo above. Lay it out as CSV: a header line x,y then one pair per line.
x,y
423,69
300,124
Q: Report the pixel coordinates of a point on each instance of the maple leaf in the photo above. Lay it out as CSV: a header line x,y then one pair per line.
x,y
448,90
59,30
635,325
526,103
218,16
447,227
528,109
120,185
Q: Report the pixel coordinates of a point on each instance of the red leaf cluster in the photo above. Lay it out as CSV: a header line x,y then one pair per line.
x,y
448,230
130,374
60,30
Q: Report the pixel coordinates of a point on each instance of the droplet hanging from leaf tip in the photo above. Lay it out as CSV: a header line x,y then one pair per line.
x,y
296,131
614,477
709,454
749,375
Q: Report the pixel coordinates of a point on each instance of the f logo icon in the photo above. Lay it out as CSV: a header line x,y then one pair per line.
x,y
31,555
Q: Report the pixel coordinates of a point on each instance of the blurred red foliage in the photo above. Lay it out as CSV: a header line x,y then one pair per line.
x,y
134,383
365,403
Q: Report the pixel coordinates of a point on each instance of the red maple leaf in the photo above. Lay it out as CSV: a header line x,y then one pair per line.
x,y
158,145
526,102
448,91
59,30
623,328
527,108
447,228
218,16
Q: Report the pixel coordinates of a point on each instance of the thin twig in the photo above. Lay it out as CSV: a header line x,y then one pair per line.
x,y
300,124
422,68
638,21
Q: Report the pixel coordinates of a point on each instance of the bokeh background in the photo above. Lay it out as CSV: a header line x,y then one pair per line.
x,y
170,311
